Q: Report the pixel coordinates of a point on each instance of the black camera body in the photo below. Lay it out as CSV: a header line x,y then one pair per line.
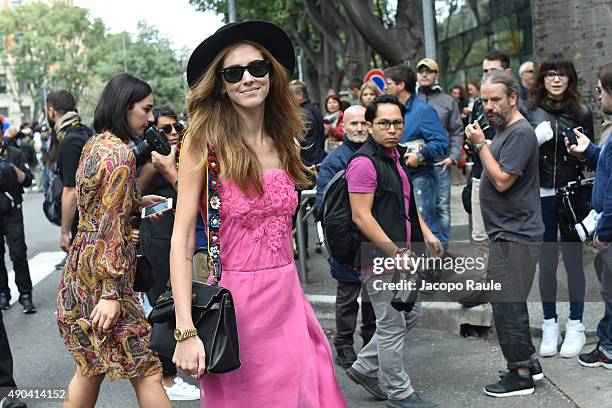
x,y
154,140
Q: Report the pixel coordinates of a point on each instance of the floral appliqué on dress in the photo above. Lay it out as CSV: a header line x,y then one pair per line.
x,y
266,215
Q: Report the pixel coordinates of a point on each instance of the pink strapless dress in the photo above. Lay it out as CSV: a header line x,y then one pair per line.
x,y
286,358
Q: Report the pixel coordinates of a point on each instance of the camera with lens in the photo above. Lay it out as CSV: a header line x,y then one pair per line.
x,y
153,140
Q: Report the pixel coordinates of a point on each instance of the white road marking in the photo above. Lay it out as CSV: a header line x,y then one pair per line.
x,y
41,266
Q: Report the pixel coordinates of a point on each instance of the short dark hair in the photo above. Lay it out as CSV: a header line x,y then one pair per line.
x,y
162,111
372,109
402,73
497,55
118,97
355,83
605,76
62,101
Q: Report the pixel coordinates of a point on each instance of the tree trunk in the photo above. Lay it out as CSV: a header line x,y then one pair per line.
x,y
357,59
578,29
401,43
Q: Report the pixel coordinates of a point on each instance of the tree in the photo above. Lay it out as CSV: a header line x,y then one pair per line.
x,y
149,56
576,29
47,47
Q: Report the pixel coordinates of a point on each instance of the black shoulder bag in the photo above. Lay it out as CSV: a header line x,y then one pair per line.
x,y
212,306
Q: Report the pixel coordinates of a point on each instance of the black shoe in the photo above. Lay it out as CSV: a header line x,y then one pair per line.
x,y
28,305
370,384
411,401
345,357
536,371
12,403
595,359
511,385
5,301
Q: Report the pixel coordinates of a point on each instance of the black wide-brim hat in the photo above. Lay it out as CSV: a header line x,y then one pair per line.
x,y
268,35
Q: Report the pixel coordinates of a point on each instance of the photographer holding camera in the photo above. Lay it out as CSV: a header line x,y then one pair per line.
x,y
159,176
14,176
557,109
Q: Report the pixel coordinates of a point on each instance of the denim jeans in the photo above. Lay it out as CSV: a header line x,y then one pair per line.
x,y
513,264
571,248
443,195
604,329
425,197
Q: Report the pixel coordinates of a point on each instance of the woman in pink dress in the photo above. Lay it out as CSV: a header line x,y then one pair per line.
x,y
240,103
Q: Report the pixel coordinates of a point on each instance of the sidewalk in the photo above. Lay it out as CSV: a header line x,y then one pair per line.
x,y
452,370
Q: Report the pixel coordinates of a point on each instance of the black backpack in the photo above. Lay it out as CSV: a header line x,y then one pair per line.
x,y
52,204
342,236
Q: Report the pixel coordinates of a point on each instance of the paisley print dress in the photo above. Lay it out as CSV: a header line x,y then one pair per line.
x,y
101,264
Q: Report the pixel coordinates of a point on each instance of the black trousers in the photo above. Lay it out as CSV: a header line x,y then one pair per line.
x,y
11,232
347,309
513,264
6,360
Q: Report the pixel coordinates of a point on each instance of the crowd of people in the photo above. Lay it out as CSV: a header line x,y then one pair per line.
x,y
251,138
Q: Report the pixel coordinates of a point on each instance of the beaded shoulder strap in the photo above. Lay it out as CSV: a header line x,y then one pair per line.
x,y
213,184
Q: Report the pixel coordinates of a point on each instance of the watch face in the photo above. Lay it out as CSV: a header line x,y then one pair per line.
x,y
177,334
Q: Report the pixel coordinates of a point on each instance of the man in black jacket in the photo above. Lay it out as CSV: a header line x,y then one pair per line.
x,y
313,150
72,134
11,230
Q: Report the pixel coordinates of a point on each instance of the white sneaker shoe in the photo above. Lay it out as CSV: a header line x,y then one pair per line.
x,y
551,338
574,339
182,391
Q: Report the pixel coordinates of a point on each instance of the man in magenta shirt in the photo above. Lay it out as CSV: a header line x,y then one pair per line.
x,y
376,212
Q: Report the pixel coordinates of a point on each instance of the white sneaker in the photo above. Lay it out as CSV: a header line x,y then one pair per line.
x,y
551,338
574,339
182,391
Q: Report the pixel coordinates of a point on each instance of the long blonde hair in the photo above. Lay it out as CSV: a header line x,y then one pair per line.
x,y
213,119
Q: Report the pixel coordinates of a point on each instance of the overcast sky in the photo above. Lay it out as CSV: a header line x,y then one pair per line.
x,y
176,19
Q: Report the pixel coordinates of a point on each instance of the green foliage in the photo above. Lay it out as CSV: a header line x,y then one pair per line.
x,y
59,47
149,56
48,45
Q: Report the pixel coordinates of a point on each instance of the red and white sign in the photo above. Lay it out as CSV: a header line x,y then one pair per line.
x,y
377,77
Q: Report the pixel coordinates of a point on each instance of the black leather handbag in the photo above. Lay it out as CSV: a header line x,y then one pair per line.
x,y
212,306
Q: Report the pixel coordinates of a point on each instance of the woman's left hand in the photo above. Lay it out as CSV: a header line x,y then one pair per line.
x,y
105,316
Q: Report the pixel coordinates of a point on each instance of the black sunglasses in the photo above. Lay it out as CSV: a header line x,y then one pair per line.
x,y
167,129
234,74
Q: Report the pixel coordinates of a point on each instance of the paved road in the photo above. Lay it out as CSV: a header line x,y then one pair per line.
x,y
444,367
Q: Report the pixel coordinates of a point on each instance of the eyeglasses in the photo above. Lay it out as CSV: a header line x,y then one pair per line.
x,y
385,124
167,129
551,75
424,71
257,69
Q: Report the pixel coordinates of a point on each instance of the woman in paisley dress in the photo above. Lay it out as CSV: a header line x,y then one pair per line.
x,y
240,103
99,316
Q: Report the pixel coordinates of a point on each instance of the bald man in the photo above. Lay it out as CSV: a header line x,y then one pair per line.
x,y
349,286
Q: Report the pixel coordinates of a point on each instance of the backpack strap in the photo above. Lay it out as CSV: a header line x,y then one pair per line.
x,y
382,175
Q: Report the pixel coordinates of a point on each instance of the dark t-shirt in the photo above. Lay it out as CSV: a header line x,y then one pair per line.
x,y
69,154
515,214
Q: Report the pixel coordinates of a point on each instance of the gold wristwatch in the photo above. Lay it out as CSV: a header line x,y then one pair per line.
x,y
182,334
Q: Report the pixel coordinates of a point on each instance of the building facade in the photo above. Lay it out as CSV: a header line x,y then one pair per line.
x,y
469,29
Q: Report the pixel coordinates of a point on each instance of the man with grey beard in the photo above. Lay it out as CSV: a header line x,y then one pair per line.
x,y
509,197
349,286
